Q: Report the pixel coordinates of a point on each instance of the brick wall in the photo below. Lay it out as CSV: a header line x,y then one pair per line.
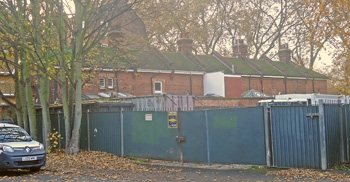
x,y
233,87
249,83
140,83
171,83
93,85
321,86
7,111
274,86
7,85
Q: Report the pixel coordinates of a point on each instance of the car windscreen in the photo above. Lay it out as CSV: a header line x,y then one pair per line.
x,y
13,134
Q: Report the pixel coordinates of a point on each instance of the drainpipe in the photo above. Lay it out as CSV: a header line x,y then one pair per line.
x,y
285,84
313,85
117,80
250,76
261,83
208,143
191,83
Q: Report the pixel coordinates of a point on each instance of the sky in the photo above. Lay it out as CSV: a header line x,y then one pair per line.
x,y
326,60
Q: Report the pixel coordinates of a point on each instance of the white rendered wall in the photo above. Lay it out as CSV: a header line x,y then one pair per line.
x,y
214,83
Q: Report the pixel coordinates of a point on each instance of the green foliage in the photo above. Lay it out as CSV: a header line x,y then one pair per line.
x,y
261,169
54,139
139,160
342,167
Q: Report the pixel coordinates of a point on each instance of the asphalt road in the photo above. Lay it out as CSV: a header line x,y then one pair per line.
x,y
175,173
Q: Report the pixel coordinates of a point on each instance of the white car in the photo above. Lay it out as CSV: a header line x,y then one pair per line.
x,y
18,150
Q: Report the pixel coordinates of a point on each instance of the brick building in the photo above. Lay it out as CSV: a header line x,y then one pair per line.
x,y
154,72
7,87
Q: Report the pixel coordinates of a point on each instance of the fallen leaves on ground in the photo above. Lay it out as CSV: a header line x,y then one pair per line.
x,y
292,174
96,164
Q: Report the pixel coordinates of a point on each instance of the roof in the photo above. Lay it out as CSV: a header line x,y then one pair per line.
x,y
8,125
156,60
182,62
254,94
213,64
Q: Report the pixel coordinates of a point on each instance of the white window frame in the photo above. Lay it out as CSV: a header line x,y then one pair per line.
x,y
103,86
161,87
110,86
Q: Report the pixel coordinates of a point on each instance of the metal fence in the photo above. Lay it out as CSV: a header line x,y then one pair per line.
x,y
214,136
308,136
276,136
295,136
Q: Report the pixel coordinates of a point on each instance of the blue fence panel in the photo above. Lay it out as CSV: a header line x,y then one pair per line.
x,y
194,128
60,127
57,125
105,132
333,134
295,136
150,138
237,136
39,123
346,119
83,132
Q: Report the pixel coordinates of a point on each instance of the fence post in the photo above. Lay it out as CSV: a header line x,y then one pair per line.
x,y
88,129
180,134
322,129
342,148
122,131
59,128
208,146
346,132
267,135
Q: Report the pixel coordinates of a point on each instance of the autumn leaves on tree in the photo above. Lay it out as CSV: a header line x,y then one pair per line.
x,y
38,35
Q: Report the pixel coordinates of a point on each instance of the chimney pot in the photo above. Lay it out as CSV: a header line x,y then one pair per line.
x,y
185,35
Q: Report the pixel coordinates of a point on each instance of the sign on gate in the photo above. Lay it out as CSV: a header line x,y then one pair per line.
x,y
172,119
148,117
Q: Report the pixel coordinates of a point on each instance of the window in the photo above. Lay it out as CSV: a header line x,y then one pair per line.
x,y
13,134
110,83
157,87
102,83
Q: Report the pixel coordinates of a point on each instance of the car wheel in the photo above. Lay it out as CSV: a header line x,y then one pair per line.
x,y
34,169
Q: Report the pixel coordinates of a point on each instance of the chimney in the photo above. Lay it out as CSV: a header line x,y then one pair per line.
x,y
239,49
284,53
185,43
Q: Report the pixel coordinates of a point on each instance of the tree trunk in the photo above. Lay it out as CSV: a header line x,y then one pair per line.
x,y
63,79
23,101
19,106
73,147
44,98
29,98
